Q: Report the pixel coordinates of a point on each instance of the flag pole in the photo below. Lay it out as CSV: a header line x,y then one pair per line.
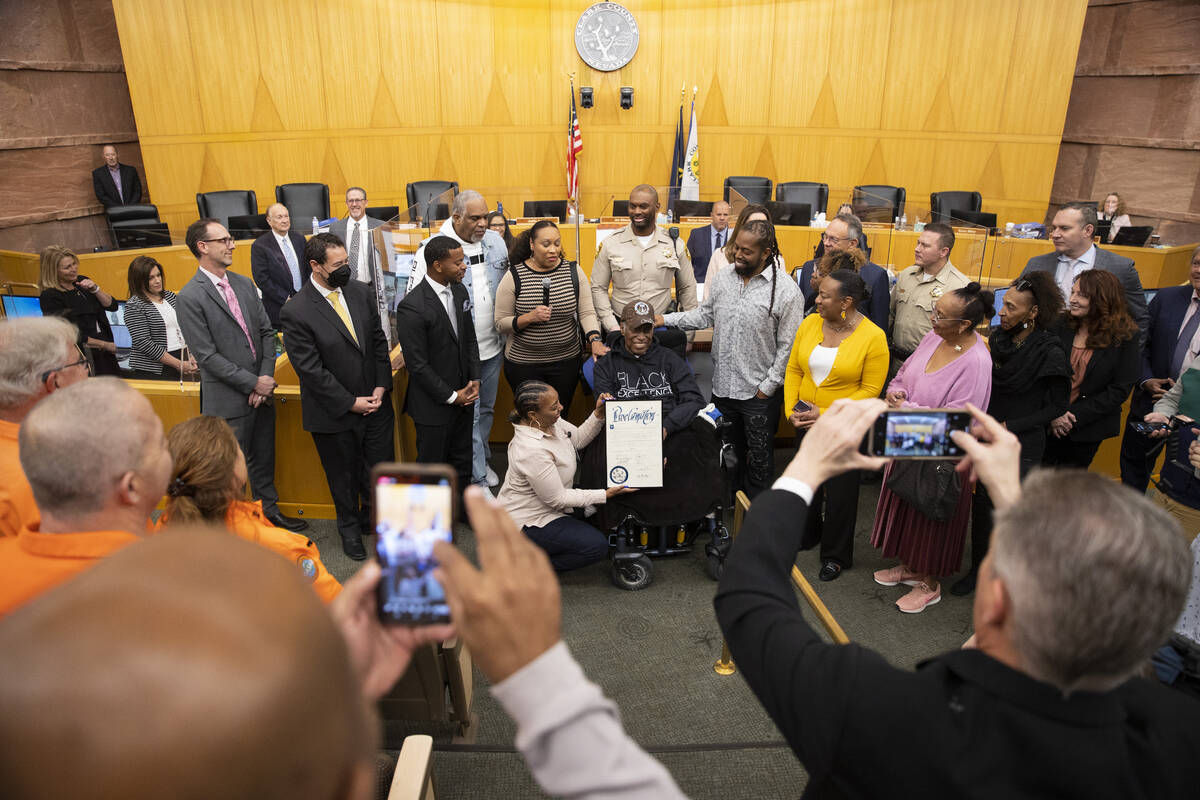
x,y
578,206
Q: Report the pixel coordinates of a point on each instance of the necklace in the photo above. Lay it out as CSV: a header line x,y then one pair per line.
x,y
845,326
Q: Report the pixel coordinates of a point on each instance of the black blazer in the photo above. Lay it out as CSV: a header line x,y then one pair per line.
x,y
1107,381
438,362
271,274
106,189
332,369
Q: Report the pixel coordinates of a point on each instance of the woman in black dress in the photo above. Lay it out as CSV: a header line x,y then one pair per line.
x,y
66,293
1031,385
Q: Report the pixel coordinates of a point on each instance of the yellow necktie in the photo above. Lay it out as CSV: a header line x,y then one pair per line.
x,y
335,300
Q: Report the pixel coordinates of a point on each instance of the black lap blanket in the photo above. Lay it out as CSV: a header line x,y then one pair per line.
x,y
692,481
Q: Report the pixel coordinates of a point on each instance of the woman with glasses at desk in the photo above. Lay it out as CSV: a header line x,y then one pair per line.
x,y
77,298
159,352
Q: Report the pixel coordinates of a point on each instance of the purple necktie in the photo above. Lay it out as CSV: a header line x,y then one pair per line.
x,y
236,310
1184,343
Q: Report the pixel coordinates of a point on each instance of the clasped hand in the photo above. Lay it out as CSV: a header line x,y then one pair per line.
x,y
468,394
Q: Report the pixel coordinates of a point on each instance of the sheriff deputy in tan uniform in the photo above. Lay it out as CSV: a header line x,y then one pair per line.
x,y
918,288
642,262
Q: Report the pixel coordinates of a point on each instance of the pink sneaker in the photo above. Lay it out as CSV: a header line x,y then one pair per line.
x,y
921,596
896,575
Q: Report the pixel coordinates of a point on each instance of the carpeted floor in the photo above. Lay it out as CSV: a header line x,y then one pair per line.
x,y
653,651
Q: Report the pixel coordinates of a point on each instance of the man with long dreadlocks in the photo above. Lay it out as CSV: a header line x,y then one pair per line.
x,y
754,310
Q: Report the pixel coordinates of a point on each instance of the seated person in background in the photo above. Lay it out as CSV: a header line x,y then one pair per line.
x,y
97,460
844,234
38,355
1083,581
1113,210
813,272
158,349
235,682
538,491
208,482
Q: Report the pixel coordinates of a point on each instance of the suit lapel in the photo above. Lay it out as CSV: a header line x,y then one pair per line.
x,y
325,310
216,297
436,301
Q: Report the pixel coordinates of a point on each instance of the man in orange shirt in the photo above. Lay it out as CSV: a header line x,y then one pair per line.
x,y
96,458
38,355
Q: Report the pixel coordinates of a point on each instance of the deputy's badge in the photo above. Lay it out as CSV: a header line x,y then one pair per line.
x,y
641,308
935,292
669,253
618,261
308,569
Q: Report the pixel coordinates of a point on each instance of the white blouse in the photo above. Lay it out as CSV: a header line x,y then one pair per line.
x,y
820,363
171,321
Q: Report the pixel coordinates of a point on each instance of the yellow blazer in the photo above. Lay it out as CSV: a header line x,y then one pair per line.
x,y
859,369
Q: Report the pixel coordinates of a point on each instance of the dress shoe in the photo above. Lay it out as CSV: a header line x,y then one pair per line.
x,y
287,523
830,571
493,479
353,548
964,585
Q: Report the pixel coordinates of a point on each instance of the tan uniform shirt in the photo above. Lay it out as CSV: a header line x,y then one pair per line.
x,y
641,274
913,297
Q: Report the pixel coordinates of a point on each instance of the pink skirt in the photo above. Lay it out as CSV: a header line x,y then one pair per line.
x,y
923,545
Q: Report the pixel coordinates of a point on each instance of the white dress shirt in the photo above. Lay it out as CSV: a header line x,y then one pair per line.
x,y
285,244
1070,268
341,298
361,269
446,295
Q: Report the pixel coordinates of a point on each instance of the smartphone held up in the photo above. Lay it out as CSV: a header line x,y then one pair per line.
x,y
918,433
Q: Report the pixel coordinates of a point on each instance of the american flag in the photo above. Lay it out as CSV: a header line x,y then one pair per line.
x,y
574,148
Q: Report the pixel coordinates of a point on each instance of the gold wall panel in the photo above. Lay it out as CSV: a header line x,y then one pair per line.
x,y
928,94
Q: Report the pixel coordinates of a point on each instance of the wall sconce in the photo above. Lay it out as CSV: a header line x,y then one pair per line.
x,y
626,97
585,97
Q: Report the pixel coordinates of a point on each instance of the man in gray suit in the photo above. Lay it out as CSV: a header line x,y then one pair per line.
x,y
233,342
1071,232
366,262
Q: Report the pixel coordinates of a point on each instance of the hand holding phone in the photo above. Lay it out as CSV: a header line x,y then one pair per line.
x,y
918,433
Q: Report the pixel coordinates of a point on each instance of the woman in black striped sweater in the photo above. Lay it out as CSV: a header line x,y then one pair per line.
x,y
159,352
546,313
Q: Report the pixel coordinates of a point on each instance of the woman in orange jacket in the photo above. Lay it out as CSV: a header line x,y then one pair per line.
x,y
207,485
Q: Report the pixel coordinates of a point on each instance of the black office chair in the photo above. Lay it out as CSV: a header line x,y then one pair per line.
x,y
248,226
815,194
383,213
620,208
225,204
546,208
943,204
878,202
421,193
142,217
693,208
754,189
304,201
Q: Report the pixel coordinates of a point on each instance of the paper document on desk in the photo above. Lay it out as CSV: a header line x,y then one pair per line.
x,y
633,431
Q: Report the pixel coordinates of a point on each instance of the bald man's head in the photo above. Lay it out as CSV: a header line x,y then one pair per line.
x,y
92,445
191,665
278,218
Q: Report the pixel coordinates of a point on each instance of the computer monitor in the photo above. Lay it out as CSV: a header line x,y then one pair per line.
x,y
789,213
21,306
546,208
983,219
1103,226
693,208
1133,235
620,208
151,234
248,226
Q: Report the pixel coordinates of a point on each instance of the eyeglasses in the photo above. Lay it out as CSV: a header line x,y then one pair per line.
x,y
354,201
82,361
936,316
825,237
227,241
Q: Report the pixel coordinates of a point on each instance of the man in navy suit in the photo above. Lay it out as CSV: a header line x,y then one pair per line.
x,y
337,346
1167,345
1071,232
843,233
703,242
277,262
116,184
441,354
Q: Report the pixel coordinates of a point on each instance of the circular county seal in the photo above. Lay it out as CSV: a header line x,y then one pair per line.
x,y
606,36
618,475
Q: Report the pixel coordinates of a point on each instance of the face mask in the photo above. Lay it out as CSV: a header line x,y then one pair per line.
x,y
339,277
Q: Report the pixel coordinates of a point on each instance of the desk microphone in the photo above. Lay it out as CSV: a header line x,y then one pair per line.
x,y
546,291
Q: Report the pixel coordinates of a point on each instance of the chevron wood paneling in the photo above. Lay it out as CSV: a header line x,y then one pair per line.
x,y
927,94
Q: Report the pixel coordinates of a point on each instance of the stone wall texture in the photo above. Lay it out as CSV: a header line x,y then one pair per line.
x,y
1133,123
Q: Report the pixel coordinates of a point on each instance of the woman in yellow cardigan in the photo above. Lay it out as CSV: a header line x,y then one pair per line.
x,y
837,353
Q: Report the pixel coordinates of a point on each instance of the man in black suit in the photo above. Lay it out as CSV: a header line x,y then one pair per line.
x,y
703,242
331,327
277,261
1071,232
442,356
1168,350
116,184
1083,581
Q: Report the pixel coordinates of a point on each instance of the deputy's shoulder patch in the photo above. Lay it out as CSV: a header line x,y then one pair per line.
x,y
308,568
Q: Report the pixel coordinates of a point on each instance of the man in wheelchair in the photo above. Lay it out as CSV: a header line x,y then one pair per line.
x,y
637,367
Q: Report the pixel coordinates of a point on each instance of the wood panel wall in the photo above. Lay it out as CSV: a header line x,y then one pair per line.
x,y
927,94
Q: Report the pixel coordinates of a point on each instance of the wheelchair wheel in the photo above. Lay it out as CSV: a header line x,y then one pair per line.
x,y
715,566
632,573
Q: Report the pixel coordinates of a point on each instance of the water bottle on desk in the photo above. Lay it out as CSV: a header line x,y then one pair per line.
x,y
316,226
500,208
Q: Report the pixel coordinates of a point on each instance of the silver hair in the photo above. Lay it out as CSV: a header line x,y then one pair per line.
x,y
459,206
1096,574
77,443
853,226
357,189
29,348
